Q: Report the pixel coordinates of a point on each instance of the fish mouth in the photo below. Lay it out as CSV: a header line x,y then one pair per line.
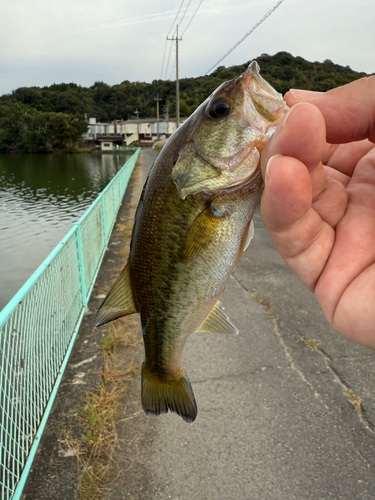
x,y
266,104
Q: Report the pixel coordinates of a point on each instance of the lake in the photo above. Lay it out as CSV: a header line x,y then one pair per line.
x,y
41,196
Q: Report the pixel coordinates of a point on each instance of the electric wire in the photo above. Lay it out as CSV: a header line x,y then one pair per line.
x,y
196,10
173,69
183,15
162,64
169,56
170,49
247,34
175,19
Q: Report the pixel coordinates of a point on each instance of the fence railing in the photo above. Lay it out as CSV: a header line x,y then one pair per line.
x,y
38,328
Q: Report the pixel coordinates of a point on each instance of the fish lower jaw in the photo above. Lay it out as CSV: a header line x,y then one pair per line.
x,y
242,184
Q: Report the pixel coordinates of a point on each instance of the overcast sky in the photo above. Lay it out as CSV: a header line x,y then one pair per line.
x,y
48,41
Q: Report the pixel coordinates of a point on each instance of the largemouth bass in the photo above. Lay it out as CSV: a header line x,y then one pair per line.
x,y
192,224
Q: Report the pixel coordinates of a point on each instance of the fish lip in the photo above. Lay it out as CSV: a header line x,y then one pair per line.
x,y
263,95
253,74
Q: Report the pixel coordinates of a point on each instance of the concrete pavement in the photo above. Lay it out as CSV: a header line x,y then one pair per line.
x,y
276,419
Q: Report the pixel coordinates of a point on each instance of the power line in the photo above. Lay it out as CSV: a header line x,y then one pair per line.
x,y
174,22
162,64
169,56
196,10
165,46
183,15
173,68
247,34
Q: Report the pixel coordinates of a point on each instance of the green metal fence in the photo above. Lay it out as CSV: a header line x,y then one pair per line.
x,y
38,328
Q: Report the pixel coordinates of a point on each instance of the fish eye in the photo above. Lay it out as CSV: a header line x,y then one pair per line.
x,y
220,108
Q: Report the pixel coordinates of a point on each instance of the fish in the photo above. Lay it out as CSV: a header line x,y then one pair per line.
x,y
192,224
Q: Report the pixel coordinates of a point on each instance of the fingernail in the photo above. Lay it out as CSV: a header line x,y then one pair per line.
x,y
267,172
302,95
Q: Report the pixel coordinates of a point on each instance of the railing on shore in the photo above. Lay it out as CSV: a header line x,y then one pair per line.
x,y
38,328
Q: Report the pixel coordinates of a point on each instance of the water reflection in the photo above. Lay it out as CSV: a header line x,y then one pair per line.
x,y
40,198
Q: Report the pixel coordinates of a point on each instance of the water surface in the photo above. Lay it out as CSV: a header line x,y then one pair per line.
x,y
41,196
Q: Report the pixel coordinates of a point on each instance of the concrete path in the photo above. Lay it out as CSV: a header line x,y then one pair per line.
x,y
276,419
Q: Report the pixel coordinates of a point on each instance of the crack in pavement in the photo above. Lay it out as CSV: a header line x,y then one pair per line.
x,y
355,401
276,328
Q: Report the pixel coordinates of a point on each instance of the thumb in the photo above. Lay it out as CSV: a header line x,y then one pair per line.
x,y
349,111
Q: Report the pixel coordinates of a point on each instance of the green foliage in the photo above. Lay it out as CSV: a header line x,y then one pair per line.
x,y
39,119
23,128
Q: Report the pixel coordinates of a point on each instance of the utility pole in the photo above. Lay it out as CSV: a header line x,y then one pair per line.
x,y
157,114
177,81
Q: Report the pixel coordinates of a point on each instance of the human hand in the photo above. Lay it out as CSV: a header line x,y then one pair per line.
x,y
319,201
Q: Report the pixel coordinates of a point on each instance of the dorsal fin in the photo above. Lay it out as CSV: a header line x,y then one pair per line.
x,y
217,322
119,301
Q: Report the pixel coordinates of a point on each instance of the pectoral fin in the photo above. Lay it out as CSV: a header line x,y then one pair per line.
x,y
200,234
218,322
247,237
119,302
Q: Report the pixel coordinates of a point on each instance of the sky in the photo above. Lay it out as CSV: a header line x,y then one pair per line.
x,y
83,41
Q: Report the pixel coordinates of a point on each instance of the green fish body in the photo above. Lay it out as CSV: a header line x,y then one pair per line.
x,y
192,224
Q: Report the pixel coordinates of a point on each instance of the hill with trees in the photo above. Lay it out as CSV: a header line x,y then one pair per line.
x,y
41,119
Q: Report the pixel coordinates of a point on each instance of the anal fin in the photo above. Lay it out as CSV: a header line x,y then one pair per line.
x,y
217,322
119,301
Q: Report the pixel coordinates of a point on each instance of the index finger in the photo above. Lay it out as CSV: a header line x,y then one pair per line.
x,y
348,111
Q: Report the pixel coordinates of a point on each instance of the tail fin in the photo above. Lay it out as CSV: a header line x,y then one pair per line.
x,y
159,396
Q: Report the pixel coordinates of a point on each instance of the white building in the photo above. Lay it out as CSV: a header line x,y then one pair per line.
x,y
121,131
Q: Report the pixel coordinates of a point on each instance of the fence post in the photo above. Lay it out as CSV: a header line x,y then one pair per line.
x,y
81,265
113,198
104,226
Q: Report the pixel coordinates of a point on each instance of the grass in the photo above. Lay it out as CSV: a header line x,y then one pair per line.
x,y
158,145
312,343
92,435
355,400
